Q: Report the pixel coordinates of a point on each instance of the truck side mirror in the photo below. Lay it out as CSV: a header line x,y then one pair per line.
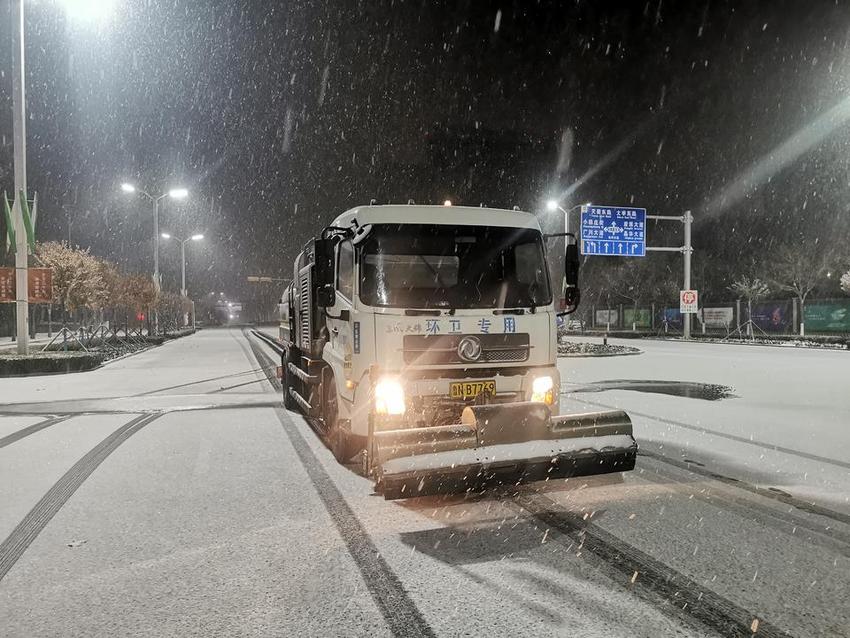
x,y
323,259
571,292
325,296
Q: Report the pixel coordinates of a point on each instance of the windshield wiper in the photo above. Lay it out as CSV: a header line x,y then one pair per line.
x,y
433,271
509,311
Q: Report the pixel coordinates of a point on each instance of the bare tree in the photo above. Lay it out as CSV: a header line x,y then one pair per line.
x,y
752,289
799,269
633,281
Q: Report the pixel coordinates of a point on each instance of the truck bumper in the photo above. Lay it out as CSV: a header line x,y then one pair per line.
x,y
501,444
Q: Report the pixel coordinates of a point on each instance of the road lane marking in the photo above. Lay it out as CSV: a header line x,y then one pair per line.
x,y
654,579
399,611
39,516
32,429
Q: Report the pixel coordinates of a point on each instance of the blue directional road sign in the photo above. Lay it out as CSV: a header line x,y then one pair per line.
x,y
613,231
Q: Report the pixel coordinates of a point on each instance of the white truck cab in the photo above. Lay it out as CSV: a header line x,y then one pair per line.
x,y
400,317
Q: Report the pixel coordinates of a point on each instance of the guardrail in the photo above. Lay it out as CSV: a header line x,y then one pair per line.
x,y
275,345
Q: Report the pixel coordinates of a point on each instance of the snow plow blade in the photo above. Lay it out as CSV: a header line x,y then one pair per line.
x,y
499,444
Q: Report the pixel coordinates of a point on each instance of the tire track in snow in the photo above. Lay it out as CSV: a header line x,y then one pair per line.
x,y
32,429
668,590
399,611
39,516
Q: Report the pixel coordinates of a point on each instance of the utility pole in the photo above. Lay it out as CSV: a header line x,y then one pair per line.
x,y
157,280
20,160
687,219
183,268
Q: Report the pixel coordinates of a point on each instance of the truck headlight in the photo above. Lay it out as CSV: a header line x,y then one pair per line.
x,y
542,390
389,397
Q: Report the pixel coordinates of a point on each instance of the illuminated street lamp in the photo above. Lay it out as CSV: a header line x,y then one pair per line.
x,y
183,242
85,9
553,204
88,10
174,193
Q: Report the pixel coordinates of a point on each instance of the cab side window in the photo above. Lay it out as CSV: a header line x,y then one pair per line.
x,y
345,270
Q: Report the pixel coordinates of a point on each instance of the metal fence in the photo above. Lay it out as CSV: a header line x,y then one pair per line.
x,y
778,317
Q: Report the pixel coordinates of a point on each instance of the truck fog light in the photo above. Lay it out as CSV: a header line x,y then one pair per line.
x,y
389,397
542,390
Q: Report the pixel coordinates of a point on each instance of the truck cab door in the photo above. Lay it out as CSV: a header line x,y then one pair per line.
x,y
340,346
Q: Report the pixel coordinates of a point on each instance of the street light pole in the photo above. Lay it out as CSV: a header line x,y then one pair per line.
x,y
20,160
174,193
183,242
183,267
157,281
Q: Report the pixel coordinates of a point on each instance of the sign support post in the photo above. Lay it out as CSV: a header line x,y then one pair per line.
x,y
687,219
20,160
686,250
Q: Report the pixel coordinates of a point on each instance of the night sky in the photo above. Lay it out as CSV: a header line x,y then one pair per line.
x,y
279,115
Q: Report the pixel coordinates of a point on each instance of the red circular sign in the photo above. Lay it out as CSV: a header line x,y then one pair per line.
x,y
689,297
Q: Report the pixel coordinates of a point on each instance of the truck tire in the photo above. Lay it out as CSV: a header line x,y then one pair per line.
x,y
286,382
340,440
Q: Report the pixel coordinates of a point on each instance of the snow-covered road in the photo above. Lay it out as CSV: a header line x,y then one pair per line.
x,y
169,494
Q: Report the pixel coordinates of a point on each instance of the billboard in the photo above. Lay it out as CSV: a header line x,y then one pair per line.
x,y
7,285
717,317
606,316
774,316
671,317
827,317
640,317
39,285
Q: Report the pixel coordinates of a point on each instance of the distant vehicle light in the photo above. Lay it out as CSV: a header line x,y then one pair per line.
x,y
448,202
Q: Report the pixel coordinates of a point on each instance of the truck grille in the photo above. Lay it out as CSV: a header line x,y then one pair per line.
x,y
429,410
443,349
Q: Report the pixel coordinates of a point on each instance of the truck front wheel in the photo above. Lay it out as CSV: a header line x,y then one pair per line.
x,y
286,381
341,442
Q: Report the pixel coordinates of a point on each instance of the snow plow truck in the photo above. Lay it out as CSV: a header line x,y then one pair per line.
x,y
423,340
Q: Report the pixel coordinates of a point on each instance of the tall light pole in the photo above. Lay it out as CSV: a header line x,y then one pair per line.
x,y
183,242
19,136
20,160
174,193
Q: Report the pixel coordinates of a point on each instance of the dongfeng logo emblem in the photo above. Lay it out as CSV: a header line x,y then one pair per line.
x,y
469,348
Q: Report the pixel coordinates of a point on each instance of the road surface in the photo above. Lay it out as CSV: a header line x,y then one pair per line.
x,y
168,493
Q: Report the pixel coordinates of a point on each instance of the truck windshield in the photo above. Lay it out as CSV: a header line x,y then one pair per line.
x,y
435,266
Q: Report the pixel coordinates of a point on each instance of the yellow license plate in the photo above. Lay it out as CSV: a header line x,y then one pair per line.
x,y
471,389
